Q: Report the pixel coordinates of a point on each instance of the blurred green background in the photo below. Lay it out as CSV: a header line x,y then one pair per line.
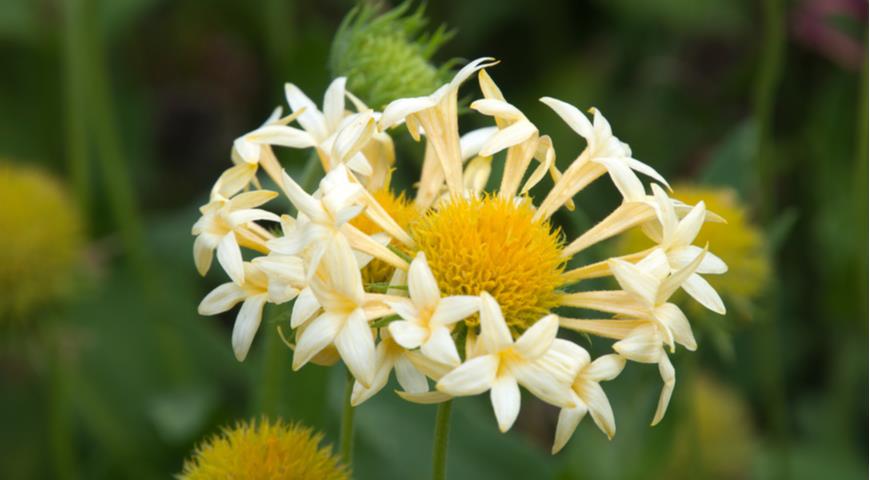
x,y
133,105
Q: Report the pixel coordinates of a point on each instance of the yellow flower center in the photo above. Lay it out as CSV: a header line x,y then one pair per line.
x,y
493,244
403,212
264,450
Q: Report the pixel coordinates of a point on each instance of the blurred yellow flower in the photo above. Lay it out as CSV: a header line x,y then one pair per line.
x,y
739,243
264,450
41,241
716,439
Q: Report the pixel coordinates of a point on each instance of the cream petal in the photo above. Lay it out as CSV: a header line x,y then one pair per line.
x,y
623,177
543,383
497,108
655,263
703,292
469,70
427,366
643,344
494,333
569,418
611,328
243,217
676,322
515,134
384,364
505,398
397,110
311,119
682,256
235,179
677,278
333,102
605,367
440,346
356,345
248,152
635,280
646,170
473,377
538,338
409,335
455,308
229,255
599,407
405,309
690,225
203,252
304,308
247,323
564,360
425,398
280,135
303,202
669,377
665,212
221,299
410,379
421,283
316,336
471,143
570,115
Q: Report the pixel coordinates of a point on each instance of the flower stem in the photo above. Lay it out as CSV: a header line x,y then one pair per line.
x,y
439,448
346,434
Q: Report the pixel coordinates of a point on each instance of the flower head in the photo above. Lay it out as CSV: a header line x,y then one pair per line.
x,y
264,450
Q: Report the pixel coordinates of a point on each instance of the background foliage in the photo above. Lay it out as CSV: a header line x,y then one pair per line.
x,y
134,104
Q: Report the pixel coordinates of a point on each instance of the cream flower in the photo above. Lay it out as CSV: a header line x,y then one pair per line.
x,y
675,238
390,356
258,287
428,317
223,224
339,291
504,364
589,396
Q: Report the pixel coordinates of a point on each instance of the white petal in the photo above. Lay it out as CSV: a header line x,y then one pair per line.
x,y
505,397
230,257
469,69
497,108
494,333
440,346
515,134
605,367
665,212
409,335
247,323
643,344
634,280
397,110
703,292
384,362
646,170
356,345
623,177
333,102
655,263
676,322
311,119
304,308
570,115
669,377
599,407
473,377
425,398
280,135
471,143
569,418
248,215
453,309
203,252
544,384
405,309
538,338
421,283
315,337
682,256
410,379
221,299
301,200
690,225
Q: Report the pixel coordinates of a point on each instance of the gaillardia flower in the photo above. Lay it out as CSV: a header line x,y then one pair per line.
x,y
264,450
456,289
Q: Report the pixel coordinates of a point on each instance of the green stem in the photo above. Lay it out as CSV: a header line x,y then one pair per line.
x,y
76,134
346,434
439,448
63,454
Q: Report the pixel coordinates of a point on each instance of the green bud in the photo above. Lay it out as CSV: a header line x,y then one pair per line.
x,y
388,56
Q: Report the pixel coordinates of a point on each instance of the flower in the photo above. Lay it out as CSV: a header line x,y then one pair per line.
x,y
460,285
504,364
224,225
427,317
41,243
272,278
588,396
267,450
